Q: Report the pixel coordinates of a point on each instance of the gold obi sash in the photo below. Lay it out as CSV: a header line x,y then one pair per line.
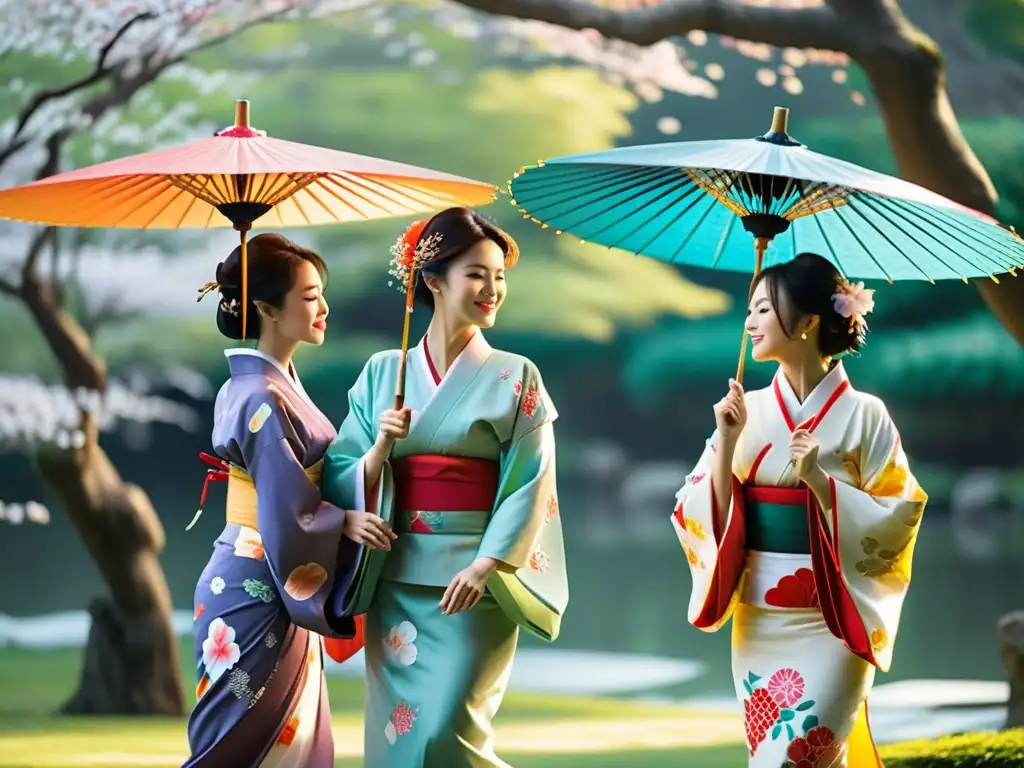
x,y
241,503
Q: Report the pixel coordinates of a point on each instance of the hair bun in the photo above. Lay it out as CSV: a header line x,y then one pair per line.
x,y
226,281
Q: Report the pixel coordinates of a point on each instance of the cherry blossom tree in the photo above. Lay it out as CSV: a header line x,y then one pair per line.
x,y
641,42
114,49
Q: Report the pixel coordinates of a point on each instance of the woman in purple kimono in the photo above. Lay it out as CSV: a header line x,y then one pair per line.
x,y
283,567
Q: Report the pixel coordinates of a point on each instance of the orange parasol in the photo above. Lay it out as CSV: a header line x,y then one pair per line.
x,y
237,177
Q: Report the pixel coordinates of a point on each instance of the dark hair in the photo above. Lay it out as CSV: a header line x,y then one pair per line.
x,y
272,263
460,230
805,286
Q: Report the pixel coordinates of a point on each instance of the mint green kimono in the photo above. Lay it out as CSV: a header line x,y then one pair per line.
x,y
434,682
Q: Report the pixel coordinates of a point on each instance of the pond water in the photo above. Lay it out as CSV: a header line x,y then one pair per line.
x,y
629,588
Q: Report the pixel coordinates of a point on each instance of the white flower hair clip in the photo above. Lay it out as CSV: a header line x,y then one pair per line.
x,y
411,251
853,301
231,307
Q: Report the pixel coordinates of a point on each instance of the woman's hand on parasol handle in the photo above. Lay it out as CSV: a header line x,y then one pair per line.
x,y
731,414
394,424
730,418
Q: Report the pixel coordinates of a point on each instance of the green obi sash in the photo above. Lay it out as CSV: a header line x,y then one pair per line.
x,y
776,520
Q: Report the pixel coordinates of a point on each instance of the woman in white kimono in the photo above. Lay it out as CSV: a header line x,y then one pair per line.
x,y
799,523
465,472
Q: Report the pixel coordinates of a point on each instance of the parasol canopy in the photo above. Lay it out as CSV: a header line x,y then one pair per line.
x,y
233,179
700,204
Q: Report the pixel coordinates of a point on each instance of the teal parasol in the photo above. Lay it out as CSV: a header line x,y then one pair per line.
x,y
700,203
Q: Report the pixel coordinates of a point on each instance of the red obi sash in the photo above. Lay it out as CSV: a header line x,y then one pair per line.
x,y
434,483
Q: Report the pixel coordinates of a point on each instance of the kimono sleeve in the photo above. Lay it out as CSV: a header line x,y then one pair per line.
x,y
869,531
342,481
716,558
299,531
524,530
343,484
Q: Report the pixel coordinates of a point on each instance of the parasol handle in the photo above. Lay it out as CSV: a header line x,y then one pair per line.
x,y
760,246
243,229
400,384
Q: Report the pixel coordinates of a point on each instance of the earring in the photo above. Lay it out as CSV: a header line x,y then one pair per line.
x,y
803,336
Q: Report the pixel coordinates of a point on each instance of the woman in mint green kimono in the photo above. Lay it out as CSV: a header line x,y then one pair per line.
x,y
465,473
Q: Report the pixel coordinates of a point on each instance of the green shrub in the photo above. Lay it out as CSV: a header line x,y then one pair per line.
x,y
971,750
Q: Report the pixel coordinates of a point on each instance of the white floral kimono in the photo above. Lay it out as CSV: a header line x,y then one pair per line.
x,y
814,590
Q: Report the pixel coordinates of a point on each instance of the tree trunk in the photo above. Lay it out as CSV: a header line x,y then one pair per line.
x,y
908,78
1011,650
131,659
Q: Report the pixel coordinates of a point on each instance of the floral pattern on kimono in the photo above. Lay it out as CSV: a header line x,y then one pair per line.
x,y
262,590
872,531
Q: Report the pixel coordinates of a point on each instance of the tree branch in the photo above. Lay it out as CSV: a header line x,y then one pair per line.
x,y
234,32
108,313
35,249
808,27
98,73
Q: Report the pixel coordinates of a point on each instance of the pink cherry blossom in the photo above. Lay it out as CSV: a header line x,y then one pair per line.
x,y
853,300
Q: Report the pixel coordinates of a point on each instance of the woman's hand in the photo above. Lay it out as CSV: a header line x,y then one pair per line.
x,y
803,452
367,528
467,587
731,414
394,425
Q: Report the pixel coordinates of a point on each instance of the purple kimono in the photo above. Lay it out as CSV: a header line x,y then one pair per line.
x,y
276,582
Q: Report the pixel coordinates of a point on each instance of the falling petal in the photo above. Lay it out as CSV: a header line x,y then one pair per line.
x,y
714,72
794,57
669,126
793,86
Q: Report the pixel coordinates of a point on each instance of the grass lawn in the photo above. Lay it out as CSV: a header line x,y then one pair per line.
x,y
533,730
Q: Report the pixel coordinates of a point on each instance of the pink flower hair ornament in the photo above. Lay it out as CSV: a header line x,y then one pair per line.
x,y
853,301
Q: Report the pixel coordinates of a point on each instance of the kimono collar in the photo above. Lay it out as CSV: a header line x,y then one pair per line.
x,y
475,353
818,401
242,360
